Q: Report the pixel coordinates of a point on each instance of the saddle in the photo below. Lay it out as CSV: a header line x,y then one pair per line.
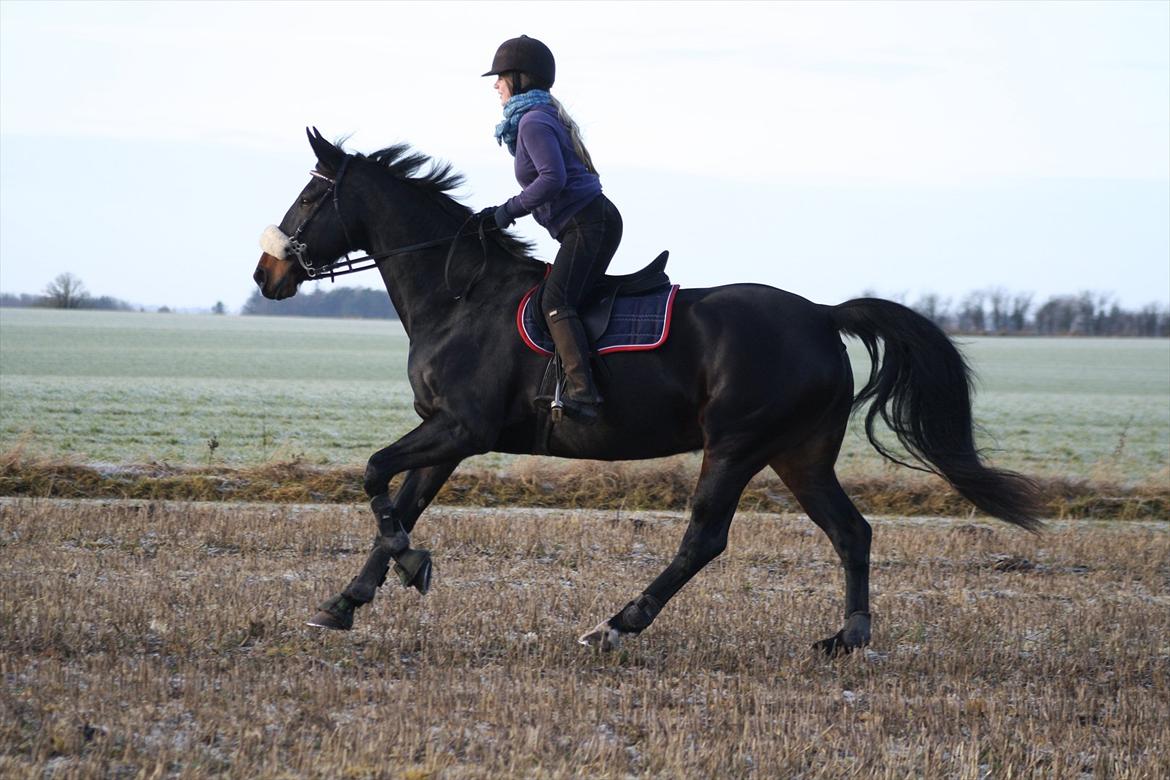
x,y
624,312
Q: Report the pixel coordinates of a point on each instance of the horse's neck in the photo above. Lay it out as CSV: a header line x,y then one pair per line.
x,y
417,282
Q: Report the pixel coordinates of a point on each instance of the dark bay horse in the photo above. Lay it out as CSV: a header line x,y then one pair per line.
x,y
753,376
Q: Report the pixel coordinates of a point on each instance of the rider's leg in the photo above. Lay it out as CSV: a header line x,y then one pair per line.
x,y
587,246
569,336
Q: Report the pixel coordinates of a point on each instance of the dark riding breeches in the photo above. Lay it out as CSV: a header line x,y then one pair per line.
x,y
588,243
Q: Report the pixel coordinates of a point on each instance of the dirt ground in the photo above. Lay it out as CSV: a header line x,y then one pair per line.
x,y
152,639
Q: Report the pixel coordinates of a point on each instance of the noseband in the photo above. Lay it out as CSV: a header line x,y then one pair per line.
x,y
276,243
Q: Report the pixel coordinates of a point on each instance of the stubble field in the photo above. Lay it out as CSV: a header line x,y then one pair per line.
x,y
167,640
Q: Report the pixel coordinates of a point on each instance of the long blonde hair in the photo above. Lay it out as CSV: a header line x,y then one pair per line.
x,y
522,82
574,135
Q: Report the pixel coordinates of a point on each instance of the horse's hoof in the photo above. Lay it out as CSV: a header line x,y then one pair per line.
x,y
833,647
325,619
414,570
855,634
604,637
335,614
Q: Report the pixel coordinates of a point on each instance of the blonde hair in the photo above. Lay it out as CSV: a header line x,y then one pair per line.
x,y
522,82
574,135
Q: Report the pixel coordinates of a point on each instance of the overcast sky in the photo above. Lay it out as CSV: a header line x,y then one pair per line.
x,y
826,148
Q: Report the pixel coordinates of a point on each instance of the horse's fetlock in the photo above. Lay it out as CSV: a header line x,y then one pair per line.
x,y
394,543
636,616
856,632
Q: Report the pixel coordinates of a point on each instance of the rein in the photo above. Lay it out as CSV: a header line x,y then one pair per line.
x,y
347,265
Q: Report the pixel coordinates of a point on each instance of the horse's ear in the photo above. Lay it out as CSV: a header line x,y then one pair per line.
x,y
328,155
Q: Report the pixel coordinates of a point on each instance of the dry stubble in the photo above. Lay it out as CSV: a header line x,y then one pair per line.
x,y
151,639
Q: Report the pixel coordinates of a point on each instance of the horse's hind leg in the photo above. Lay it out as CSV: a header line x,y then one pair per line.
x,y
821,496
720,485
396,519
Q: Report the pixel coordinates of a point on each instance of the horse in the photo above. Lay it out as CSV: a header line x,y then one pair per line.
x,y
752,376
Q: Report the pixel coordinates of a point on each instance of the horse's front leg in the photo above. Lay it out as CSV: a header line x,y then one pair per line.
x,y
429,453
395,519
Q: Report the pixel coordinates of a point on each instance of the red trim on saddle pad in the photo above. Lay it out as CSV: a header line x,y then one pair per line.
x,y
530,342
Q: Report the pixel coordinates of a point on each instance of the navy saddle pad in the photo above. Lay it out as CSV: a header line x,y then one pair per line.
x,y
636,323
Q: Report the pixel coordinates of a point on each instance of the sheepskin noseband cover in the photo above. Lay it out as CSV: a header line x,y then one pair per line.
x,y
275,242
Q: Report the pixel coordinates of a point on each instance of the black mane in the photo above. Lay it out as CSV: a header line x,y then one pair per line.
x,y
438,180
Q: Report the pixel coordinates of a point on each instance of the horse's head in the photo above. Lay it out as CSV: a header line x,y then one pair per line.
x,y
312,234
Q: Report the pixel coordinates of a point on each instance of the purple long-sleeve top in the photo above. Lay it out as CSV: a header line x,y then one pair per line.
x,y
556,183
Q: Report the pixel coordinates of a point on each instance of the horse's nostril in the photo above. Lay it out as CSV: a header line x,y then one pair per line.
x,y
259,277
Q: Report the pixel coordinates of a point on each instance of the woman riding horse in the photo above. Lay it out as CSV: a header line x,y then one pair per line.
x,y
562,191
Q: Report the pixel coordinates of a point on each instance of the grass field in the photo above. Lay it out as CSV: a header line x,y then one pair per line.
x,y
167,640
138,388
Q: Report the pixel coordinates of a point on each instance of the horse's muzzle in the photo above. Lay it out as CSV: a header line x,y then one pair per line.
x,y
274,278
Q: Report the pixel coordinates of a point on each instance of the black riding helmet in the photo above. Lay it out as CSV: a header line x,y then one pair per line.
x,y
525,55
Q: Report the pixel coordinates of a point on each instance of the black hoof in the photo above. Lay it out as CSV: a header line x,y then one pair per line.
x,y
833,647
335,614
414,570
855,634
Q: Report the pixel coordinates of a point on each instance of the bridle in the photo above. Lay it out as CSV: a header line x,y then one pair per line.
x,y
347,265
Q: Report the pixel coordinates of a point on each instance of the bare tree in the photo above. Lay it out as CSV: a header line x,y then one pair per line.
x,y
972,318
1018,319
65,292
934,308
998,298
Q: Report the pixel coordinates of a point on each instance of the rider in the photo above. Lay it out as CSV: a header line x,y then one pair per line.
x,y
562,191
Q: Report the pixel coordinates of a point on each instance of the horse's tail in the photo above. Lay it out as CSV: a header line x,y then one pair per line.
x,y
921,389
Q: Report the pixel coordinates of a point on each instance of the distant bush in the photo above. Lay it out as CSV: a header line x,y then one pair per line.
x,y
354,302
23,300
26,301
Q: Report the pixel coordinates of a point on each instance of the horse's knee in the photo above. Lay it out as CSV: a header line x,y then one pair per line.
x,y
376,481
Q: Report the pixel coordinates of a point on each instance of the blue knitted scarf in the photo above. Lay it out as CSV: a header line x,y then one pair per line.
x,y
516,107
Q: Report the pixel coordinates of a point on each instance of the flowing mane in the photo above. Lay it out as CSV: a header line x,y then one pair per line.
x,y
437,179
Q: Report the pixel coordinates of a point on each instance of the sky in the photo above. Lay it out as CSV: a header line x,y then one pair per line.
x,y
830,149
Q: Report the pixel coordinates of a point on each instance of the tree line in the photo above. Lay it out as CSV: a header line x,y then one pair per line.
x,y
358,302
990,311
996,311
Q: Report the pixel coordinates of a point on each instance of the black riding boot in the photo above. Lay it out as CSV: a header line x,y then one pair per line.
x,y
581,397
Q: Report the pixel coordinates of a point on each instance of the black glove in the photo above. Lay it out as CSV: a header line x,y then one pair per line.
x,y
503,218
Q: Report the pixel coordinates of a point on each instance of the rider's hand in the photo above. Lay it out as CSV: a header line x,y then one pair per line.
x,y
503,218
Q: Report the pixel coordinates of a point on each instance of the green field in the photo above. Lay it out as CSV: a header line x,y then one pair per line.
x,y
133,388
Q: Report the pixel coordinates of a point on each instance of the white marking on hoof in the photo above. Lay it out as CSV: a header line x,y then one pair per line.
x,y
604,637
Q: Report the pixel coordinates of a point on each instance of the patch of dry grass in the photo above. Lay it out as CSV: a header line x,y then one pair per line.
x,y
547,482
150,639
